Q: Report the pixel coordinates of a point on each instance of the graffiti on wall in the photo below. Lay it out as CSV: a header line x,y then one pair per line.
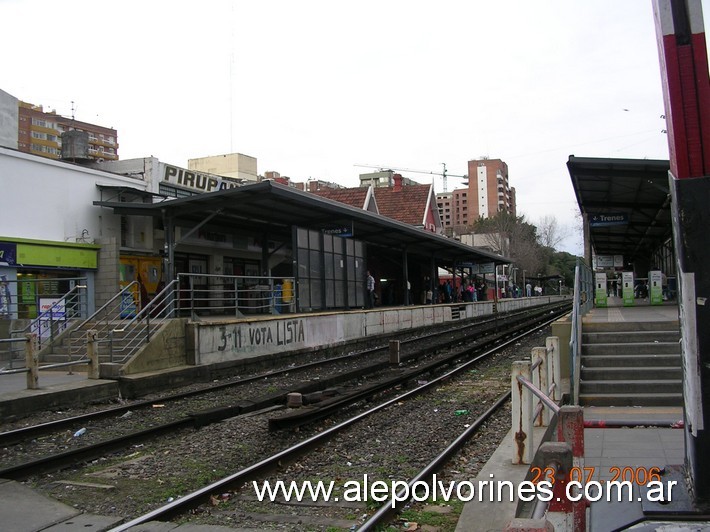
x,y
251,335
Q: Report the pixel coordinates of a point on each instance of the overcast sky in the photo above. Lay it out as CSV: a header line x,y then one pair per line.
x,y
314,88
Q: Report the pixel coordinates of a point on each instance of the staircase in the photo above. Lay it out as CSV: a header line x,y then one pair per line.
x,y
73,343
631,364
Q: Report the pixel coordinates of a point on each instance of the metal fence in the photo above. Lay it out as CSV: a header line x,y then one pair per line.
x,y
123,324
234,295
583,303
56,314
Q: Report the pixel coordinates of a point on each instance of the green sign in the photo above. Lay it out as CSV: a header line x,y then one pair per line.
x,y
655,287
627,290
600,294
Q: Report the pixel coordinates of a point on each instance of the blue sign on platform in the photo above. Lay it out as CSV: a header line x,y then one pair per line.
x,y
604,220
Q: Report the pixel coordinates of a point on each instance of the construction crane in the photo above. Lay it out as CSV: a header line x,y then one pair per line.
x,y
444,174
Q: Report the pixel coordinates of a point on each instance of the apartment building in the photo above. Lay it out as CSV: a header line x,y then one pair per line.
x,y
487,194
384,178
488,183
40,133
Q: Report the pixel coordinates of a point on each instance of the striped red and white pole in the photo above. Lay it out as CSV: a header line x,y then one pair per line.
x,y
686,89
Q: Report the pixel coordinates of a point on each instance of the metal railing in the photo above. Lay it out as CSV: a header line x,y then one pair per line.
x,y
235,295
19,298
127,337
538,377
119,307
583,303
51,322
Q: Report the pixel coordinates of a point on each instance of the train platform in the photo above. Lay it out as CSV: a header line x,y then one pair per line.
x,y
23,510
57,389
607,451
605,448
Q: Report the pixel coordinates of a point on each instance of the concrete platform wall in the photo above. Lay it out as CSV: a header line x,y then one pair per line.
x,y
230,340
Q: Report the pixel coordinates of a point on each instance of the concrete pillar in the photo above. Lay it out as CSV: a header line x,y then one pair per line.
x,y
540,380
31,362
394,352
522,413
92,352
682,46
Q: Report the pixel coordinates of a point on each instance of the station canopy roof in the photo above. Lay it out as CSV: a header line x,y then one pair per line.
x,y
273,209
627,203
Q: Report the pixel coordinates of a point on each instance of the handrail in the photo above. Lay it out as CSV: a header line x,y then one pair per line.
x,y
72,304
119,294
582,303
157,300
100,321
49,312
541,377
137,330
543,396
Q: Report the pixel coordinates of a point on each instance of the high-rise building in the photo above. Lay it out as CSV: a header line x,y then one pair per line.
x,y
40,133
488,193
488,183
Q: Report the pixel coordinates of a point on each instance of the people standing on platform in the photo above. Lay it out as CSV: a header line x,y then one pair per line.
x,y
447,292
481,291
370,284
528,290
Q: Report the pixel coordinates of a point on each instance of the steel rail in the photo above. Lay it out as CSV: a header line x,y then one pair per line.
x,y
387,511
198,419
9,437
191,500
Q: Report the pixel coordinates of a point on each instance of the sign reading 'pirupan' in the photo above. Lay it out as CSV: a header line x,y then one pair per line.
x,y
195,180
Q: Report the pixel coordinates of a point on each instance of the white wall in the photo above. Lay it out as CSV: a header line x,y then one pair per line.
x,y
52,200
231,339
9,120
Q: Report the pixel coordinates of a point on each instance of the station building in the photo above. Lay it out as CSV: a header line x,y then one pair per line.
x,y
111,223
626,213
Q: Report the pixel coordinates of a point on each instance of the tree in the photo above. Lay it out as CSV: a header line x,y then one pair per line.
x,y
549,232
531,248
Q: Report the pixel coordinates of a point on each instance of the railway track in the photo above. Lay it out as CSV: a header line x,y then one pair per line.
x,y
122,425
186,427
455,335
209,496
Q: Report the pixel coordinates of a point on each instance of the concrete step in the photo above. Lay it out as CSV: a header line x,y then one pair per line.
x,y
59,359
631,399
617,326
655,348
623,337
631,387
632,373
631,360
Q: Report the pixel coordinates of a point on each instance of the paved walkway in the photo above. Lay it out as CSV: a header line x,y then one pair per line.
x,y
10,384
608,451
642,311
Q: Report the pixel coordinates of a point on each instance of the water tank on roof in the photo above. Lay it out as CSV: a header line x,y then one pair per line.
x,y
75,145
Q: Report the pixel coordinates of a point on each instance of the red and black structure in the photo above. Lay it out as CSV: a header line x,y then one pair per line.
x,y
686,88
